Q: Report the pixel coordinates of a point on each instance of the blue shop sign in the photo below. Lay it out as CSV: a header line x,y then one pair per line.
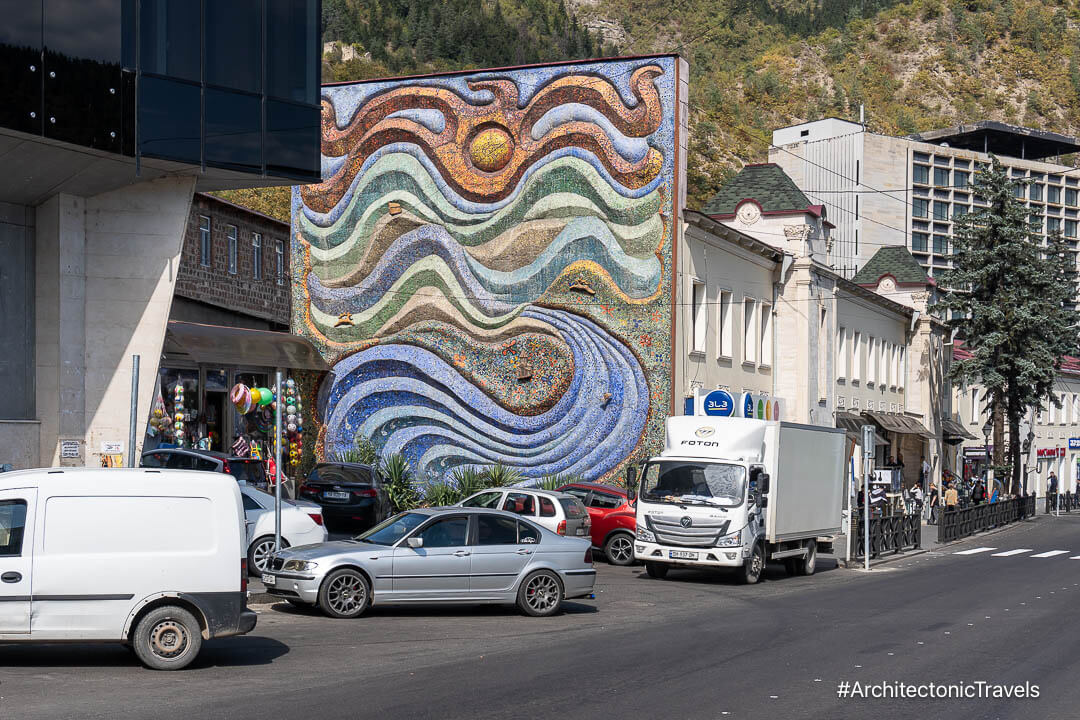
x,y
1074,443
719,403
748,406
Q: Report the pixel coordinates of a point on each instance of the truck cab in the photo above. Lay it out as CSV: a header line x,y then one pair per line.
x,y
709,500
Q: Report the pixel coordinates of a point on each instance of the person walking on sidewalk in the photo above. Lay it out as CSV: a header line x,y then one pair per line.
x,y
917,498
935,503
952,498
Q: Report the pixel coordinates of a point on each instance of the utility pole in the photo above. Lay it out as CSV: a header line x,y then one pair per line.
x,y
868,468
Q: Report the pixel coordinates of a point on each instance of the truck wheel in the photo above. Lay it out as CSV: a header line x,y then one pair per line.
x,y
345,593
167,638
656,570
619,549
540,594
754,566
808,564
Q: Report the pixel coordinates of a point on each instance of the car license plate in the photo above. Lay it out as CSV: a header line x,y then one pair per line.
x,y
269,579
332,495
682,555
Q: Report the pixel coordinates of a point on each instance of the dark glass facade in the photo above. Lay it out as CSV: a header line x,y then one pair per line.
x,y
230,84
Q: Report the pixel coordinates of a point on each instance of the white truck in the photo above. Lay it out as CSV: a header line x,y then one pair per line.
x,y
737,492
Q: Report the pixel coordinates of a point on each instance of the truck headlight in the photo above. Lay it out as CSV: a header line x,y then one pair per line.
x,y
645,535
299,566
732,540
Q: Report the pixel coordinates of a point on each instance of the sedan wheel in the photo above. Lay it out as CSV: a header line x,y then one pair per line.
x,y
620,549
344,593
259,553
540,594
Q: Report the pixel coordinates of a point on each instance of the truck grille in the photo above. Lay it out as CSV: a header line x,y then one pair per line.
x,y
701,533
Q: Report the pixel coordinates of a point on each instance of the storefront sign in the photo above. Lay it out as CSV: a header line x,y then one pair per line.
x,y
1074,443
979,451
1050,452
719,403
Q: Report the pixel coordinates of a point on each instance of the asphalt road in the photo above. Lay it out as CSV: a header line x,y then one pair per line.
x,y
690,646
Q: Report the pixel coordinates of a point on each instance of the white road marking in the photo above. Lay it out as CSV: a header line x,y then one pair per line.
x,y
1052,553
974,551
1007,553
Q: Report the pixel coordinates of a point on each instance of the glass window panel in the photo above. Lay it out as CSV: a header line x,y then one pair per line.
x,y
256,256
1071,197
1018,191
919,241
1070,228
230,233
921,175
233,130
205,245
12,527
941,177
1053,225
495,530
20,48
941,210
451,532
960,179
292,139
528,534
292,58
1053,194
941,244
1037,193
919,207
169,124
959,210
234,44
169,38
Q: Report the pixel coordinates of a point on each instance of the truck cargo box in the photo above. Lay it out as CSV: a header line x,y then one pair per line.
x,y
806,465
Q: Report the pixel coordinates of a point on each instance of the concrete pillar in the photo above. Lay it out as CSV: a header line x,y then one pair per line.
x,y
106,271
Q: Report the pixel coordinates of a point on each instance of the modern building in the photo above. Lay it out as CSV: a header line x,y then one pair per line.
x,y
765,313
114,114
884,191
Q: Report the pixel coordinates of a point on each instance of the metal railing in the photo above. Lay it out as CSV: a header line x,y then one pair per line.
x,y
957,524
1069,502
893,533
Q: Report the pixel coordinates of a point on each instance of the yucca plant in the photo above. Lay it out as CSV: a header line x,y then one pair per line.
x,y
363,451
551,482
400,485
468,480
499,475
438,494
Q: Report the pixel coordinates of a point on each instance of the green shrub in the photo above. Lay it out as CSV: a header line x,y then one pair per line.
x,y
468,480
440,494
399,481
363,451
499,475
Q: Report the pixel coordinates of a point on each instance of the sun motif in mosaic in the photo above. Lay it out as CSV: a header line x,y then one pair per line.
x,y
500,244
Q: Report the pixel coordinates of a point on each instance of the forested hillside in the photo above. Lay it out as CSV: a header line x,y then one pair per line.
x,y
754,64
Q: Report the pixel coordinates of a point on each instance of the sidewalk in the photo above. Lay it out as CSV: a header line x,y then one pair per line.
x,y
257,594
929,544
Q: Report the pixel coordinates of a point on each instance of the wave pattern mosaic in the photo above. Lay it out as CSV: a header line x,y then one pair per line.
x,y
487,266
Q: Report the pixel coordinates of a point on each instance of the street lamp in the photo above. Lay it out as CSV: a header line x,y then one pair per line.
x,y
988,428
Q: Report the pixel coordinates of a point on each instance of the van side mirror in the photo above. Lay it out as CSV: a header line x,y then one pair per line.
x,y
631,484
415,542
763,484
763,502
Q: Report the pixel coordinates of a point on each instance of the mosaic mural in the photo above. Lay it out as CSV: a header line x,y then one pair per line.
x,y
487,266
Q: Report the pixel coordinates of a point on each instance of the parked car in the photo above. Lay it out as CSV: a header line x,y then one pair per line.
x,y
561,513
437,555
301,524
613,523
152,559
348,493
244,469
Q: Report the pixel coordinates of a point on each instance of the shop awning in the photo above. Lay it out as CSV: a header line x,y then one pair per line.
x,y
853,425
954,432
220,345
899,424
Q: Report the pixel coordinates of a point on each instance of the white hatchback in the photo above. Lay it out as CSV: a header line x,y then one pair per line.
x,y
559,512
301,524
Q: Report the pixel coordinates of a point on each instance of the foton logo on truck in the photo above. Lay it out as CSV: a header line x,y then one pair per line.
x,y
701,443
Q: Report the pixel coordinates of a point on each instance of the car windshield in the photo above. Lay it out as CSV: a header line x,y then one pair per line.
x,y
682,482
249,471
391,530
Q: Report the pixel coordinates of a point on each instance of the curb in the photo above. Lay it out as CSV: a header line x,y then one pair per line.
x,y
856,565
262,598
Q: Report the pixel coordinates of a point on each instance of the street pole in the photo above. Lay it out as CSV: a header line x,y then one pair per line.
x,y
134,417
277,462
868,458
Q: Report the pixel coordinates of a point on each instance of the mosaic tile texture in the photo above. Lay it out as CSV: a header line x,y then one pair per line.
x,y
487,266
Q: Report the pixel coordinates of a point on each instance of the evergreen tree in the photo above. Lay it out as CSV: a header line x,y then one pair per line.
x,y
1012,300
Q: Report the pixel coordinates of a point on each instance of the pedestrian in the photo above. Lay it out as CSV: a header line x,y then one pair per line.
x,y
935,503
978,493
952,498
1052,484
917,495
924,469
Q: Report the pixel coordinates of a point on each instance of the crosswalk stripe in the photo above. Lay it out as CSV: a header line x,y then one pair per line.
x,y
1075,557
1007,553
974,551
1052,553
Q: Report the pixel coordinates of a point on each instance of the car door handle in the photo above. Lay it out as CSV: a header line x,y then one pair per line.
x,y
462,553
524,551
11,577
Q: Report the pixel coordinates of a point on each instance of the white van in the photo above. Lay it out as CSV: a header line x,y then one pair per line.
x,y
153,559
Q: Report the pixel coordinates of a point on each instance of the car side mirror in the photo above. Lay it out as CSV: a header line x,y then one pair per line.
x,y
631,484
763,483
763,502
415,542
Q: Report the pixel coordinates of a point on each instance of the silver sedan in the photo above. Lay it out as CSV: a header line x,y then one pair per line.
x,y
437,555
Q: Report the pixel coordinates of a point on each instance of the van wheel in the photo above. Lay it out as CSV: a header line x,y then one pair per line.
x,y
656,570
259,553
619,549
754,566
167,638
540,594
345,593
808,564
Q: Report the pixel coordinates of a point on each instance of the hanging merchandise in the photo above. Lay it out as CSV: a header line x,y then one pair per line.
x,y
178,410
292,433
241,397
266,396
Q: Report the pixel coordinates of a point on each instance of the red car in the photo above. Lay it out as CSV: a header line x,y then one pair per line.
x,y
613,522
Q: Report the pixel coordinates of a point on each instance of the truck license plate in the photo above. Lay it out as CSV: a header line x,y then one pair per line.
x,y
269,579
682,555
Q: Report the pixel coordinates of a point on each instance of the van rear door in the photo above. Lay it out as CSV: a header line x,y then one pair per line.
x,y
16,548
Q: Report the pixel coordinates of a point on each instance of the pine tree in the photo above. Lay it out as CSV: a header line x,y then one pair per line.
x,y
1012,300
